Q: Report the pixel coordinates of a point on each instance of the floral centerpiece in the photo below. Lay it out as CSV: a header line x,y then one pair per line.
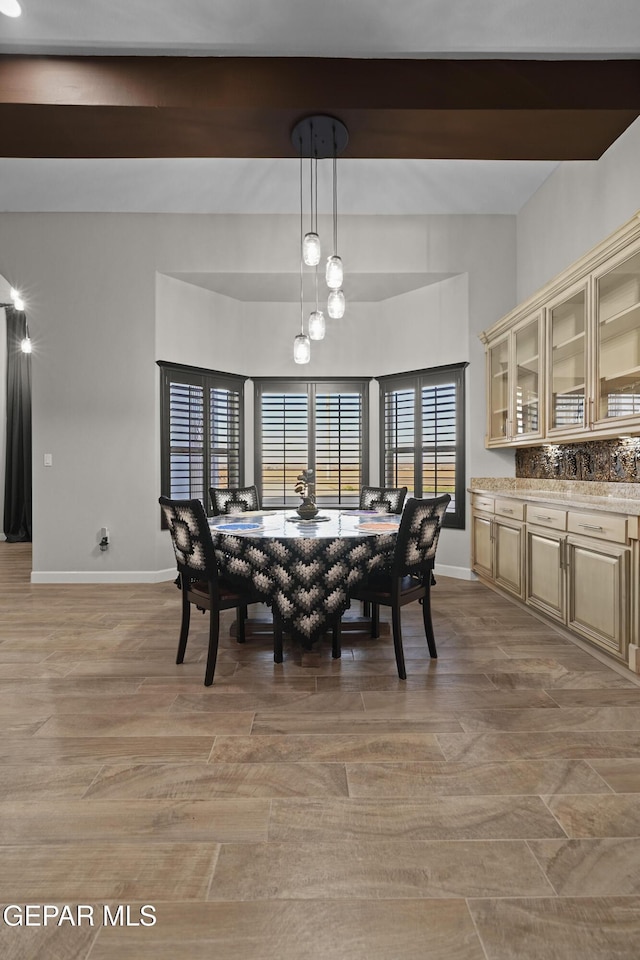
x,y
305,487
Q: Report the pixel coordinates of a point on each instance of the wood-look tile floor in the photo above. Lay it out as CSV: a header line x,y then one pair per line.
x,y
486,809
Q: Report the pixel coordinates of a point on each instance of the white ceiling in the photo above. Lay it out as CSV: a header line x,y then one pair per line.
x,y
543,29
533,29
340,28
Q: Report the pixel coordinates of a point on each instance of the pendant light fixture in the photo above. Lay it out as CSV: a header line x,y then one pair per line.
x,y
318,138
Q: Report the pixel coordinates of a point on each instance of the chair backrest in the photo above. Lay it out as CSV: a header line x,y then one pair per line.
x,y
377,497
191,538
234,499
418,535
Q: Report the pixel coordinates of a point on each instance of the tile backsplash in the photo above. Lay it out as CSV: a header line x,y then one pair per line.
x,y
600,460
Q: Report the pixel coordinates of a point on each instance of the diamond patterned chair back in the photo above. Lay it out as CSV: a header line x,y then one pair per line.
x,y
387,499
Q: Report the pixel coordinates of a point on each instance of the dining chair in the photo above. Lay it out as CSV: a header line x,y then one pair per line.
x,y
200,581
234,499
410,576
386,499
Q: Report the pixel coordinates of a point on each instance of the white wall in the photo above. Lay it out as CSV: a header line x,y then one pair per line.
x,y
580,204
100,316
5,289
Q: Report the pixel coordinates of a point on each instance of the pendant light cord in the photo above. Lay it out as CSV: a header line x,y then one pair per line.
x,y
301,242
335,194
315,209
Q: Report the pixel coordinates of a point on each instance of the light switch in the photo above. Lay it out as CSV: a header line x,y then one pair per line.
x,y
48,459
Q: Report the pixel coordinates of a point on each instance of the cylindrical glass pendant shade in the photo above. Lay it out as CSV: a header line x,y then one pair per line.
x,y
311,249
335,273
317,325
25,345
10,8
336,304
302,348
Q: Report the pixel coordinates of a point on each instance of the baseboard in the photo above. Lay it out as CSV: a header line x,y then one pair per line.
x,y
458,573
160,576
102,576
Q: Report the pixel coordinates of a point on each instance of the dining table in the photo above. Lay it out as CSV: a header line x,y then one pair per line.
x,y
304,569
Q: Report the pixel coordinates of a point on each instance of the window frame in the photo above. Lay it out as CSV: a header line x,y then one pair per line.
x,y
416,380
208,380
311,387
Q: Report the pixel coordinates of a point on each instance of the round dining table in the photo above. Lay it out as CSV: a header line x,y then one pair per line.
x,y
304,569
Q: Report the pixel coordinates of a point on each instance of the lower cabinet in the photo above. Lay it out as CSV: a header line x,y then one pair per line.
x,y
497,551
507,552
546,582
582,582
598,593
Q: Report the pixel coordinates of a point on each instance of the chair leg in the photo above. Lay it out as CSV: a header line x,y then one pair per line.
x,y
242,616
397,641
366,608
336,645
375,620
277,638
212,655
428,624
184,627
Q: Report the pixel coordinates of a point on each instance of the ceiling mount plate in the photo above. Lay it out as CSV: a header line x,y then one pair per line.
x,y
315,136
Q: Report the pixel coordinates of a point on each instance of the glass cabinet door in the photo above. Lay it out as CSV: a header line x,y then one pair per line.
x,y
499,389
527,378
568,362
618,306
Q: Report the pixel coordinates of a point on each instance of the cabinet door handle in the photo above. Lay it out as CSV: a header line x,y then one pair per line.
x,y
506,510
539,516
591,526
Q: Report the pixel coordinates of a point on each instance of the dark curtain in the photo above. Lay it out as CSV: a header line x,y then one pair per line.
x,y
17,484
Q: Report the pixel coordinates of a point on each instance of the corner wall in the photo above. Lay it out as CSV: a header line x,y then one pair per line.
x,y
92,284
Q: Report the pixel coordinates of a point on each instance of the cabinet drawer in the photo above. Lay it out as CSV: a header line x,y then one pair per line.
x,y
604,526
482,503
546,516
514,509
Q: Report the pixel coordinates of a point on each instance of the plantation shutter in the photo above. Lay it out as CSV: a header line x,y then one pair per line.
x,y
399,439
186,440
201,432
422,435
285,445
439,441
224,436
339,447
320,425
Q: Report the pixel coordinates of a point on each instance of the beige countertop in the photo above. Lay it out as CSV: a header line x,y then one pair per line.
x,y
610,497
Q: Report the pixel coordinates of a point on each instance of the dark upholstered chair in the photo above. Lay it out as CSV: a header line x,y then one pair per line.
x,y
234,499
410,576
200,582
385,499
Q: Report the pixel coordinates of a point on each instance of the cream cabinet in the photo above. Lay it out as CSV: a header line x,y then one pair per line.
x,y
497,542
577,567
583,583
565,364
514,376
568,363
617,342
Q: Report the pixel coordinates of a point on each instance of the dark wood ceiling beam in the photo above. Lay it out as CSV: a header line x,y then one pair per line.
x,y
246,107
